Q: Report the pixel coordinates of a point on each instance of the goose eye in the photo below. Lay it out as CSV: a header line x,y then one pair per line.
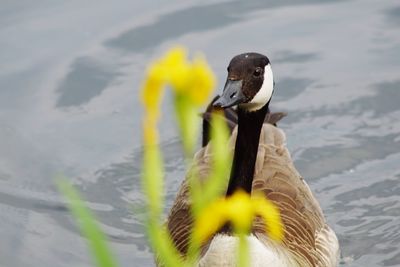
x,y
257,72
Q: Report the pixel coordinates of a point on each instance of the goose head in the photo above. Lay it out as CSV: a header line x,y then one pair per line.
x,y
249,84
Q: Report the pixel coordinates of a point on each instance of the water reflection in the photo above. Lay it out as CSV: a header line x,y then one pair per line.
x,y
287,56
393,15
194,19
290,87
87,79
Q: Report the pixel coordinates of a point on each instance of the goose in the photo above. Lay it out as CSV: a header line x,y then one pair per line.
x,y
262,164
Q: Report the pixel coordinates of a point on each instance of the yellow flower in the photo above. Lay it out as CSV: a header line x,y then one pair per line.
x,y
194,79
152,88
192,82
202,82
240,209
177,68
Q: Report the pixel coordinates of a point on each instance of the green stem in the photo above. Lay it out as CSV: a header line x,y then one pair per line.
x,y
162,245
243,253
88,225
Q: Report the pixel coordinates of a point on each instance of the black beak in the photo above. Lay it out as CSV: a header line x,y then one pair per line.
x,y
232,95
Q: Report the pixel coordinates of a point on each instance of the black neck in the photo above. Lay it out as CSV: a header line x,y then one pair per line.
x,y
246,148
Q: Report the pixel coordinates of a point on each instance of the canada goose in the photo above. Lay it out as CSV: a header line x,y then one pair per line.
x,y
261,163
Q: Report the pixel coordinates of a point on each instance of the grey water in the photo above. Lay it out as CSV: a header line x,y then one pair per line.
x,y
70,73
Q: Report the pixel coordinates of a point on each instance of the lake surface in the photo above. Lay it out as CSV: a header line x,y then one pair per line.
x,y
69,78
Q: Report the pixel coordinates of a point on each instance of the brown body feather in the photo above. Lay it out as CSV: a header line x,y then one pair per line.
x,y
307,236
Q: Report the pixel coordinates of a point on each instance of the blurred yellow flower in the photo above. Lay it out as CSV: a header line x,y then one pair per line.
x,y
151,96
192,83
177,69
240,209
202,82
195,79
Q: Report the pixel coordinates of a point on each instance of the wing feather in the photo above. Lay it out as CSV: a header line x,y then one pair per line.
x,y
307,236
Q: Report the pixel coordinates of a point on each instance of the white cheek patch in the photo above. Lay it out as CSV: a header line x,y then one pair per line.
x,y
265,92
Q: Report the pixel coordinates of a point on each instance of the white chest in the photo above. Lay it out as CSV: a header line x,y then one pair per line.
x,y
223,252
